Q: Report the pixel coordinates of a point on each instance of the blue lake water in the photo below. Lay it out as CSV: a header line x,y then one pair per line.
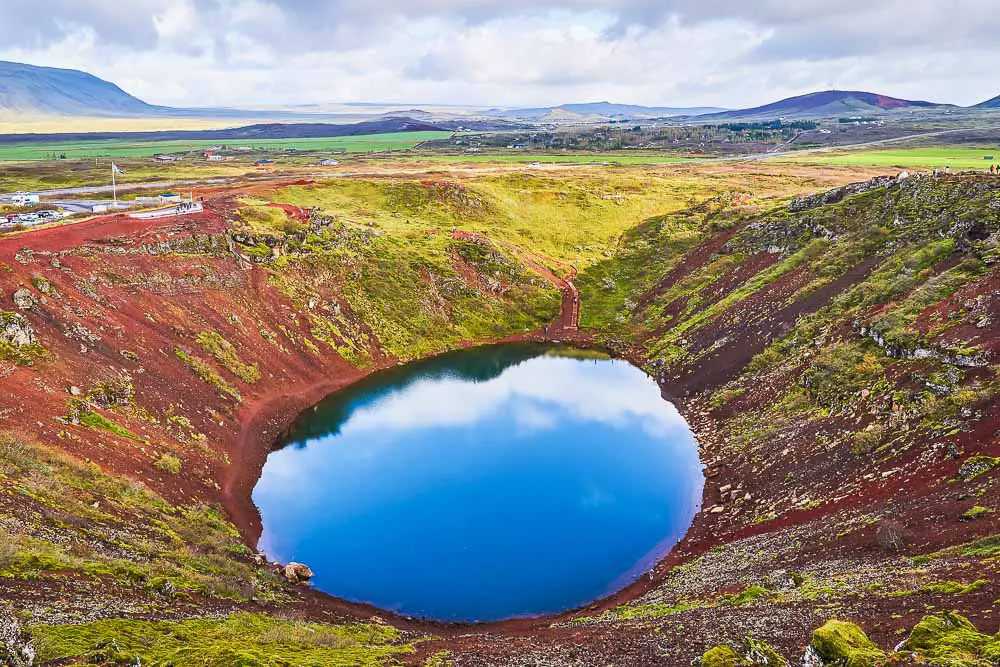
x,y
486,484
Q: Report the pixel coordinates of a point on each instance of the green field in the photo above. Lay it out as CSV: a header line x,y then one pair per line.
x,y
909,158
137,149
592,158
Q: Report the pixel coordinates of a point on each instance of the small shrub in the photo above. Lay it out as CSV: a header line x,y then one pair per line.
x,y
169,464
8,549
867,441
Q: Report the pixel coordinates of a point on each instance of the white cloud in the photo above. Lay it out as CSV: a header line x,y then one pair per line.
x,y
669,52
622,396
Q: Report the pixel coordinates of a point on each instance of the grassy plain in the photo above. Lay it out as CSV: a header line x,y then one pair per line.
x,y
956,157
137,149
568,158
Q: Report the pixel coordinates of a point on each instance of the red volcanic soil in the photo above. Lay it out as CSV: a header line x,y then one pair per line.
x,y
293,212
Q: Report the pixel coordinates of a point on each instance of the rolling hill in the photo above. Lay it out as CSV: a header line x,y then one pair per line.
x,y
826,104
989,104
46,91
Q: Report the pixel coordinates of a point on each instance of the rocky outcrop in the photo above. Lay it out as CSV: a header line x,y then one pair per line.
x,y
838,194
15,330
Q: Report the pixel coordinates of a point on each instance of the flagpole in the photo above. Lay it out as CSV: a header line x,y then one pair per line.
x,y
114,185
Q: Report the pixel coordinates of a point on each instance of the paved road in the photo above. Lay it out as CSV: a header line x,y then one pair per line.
x,y
70,194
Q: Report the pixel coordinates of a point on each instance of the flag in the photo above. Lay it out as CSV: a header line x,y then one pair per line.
x,y
118,170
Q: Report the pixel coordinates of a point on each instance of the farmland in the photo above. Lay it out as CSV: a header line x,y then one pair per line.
x,y
139,149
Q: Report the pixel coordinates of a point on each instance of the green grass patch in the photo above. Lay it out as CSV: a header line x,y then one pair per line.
x,y
208,375
244,639
958,158
97,421
225,353
124,148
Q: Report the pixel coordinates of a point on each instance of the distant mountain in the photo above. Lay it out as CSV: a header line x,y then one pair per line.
x,y
989,104
826,104
598,109
31,90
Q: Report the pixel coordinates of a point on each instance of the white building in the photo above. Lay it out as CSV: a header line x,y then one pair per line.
x,y
24,199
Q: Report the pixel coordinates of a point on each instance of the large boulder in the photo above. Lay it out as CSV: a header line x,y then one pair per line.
x,y
951,639
298,573
845,645
16,330
24,299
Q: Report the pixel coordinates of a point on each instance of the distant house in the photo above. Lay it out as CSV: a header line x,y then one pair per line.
x,y
263,163
329,163
214,158
169,198
245,149
167,158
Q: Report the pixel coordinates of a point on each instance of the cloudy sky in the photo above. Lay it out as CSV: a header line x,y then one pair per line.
x,y
729,53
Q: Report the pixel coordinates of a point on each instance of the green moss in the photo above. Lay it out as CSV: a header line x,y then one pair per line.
x,y
722,656
845,644
653,610
244,639
976,512
225,353
750,595
98,421
950,640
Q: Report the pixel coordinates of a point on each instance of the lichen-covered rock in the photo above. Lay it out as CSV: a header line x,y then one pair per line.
x,y
15,330
24,299
977,466
16,647
844,644
950,640
753,653
759,652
